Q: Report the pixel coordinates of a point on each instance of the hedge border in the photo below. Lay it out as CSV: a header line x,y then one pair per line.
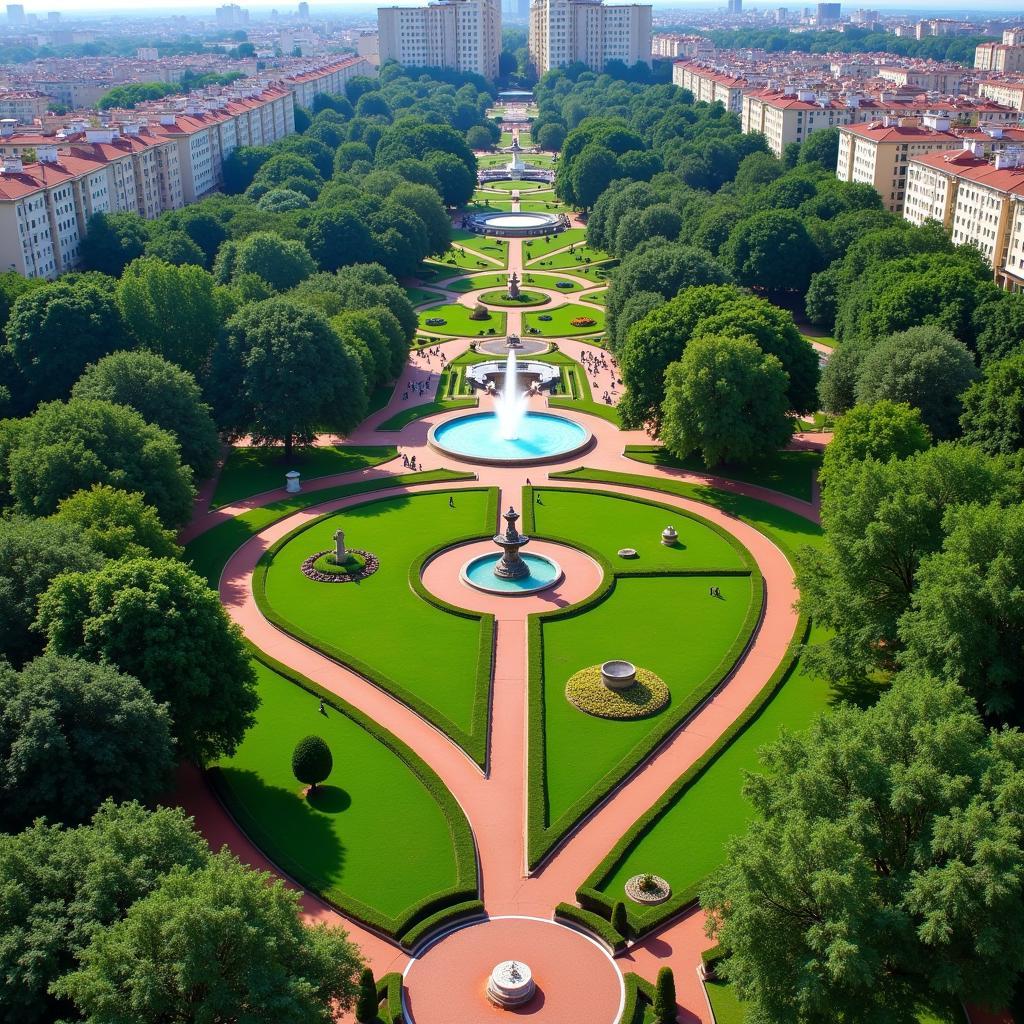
x,y
389,992
474,741
593,924
467,886
639,995
542,834
466,911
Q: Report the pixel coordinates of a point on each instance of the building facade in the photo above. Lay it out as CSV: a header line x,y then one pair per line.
x,y
566,32
464,35
999,57
710,86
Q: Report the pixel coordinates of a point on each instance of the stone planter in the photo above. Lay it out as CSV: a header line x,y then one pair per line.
x,y
669,537
645,898
618,675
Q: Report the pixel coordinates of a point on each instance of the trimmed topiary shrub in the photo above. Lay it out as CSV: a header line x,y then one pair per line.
x,y
480,312
620,920
367,1001
312,761
665,997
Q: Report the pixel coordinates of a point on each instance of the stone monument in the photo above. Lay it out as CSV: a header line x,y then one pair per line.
x,y
291,482
513,286
340,554
511,566
511,984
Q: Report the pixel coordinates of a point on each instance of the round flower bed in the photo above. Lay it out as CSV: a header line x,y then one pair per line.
x,y
647,696
322,567
435,321
648,889
499,297
583,321
564,284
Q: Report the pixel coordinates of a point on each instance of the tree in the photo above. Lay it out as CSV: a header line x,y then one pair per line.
x,y
161,393
72,735
55,331
966,620
993,416
457,180
478,137
312,761
426,204
772,250
551,137
175,247
879,430
117,524
727,400
665,997
881,519
925,367
157,620
32,553
882,866
62,886
112,241
592,172
281,262
336,237
822,148
174,311
69,446
281,376
367,1002
216,943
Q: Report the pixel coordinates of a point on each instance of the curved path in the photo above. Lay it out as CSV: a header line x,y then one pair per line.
x,y
495,801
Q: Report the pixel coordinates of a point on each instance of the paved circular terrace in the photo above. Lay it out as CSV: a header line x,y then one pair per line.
x,y
577,980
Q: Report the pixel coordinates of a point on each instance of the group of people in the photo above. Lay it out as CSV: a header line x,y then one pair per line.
x,y
409,462
417,387
594,363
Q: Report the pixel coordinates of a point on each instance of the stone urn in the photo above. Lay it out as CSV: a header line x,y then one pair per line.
x,y
291,482
511,984
618,675
669,537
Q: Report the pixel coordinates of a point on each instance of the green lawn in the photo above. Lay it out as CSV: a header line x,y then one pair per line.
x,y
484,244
791,473
474,282
527,298
210,551
559,326
373,837
417,296
666,623
534,248
458,322
250,471
542,205
517,185
823,339
459,257
578,260
598,298
416,649
729,1010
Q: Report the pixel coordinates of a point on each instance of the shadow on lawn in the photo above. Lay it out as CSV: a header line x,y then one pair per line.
x,y
294,833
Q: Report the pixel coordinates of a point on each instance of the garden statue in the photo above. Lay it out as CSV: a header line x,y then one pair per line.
x,y
340,554
513,286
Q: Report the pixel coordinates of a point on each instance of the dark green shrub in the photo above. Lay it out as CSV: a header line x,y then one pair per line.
x,y
312,761
665,997
620,921
367,1001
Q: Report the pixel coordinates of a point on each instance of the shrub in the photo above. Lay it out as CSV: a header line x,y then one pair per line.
x,y
480,312
620,921
665,997
367,1001
647,696
312,761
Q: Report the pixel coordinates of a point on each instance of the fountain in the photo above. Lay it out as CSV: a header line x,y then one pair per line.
x,y
513,289
511,984
510,405
511,572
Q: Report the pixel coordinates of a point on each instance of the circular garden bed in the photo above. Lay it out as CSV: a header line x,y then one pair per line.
x,y
647,696
500,297
323,568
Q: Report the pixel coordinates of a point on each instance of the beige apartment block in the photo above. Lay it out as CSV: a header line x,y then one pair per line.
x,y
709,85
999,57
565,32
464,35
784,117
878,153
978,200
1009,94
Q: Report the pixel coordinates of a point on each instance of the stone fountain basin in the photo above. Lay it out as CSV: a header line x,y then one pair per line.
x,y
618,675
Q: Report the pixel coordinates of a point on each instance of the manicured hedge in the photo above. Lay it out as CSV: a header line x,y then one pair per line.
x,y
592,924
645,920
542,835
639,997
389,991
442,919
465,889
474,741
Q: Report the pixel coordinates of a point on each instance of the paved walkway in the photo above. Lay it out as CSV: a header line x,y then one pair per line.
x,y
446,982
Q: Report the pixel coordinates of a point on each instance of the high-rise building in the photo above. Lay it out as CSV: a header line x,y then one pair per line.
x,y
590,32
304,11
735,7
828,14
464,35
16,14
231,16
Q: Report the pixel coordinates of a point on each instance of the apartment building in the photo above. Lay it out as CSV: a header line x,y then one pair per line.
x,y
589,32
24,106
672,44
999,57
710,86
941,78
879,152
980,202
1009,94
464,35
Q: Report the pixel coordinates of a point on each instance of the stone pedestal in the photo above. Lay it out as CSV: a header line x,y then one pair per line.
x,y
511,984
669,537
291,481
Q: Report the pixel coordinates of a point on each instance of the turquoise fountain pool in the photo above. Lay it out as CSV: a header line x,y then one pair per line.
x,y
539,437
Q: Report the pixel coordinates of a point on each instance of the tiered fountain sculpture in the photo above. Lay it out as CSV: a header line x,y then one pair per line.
x,y
511,565
511,984
513,287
